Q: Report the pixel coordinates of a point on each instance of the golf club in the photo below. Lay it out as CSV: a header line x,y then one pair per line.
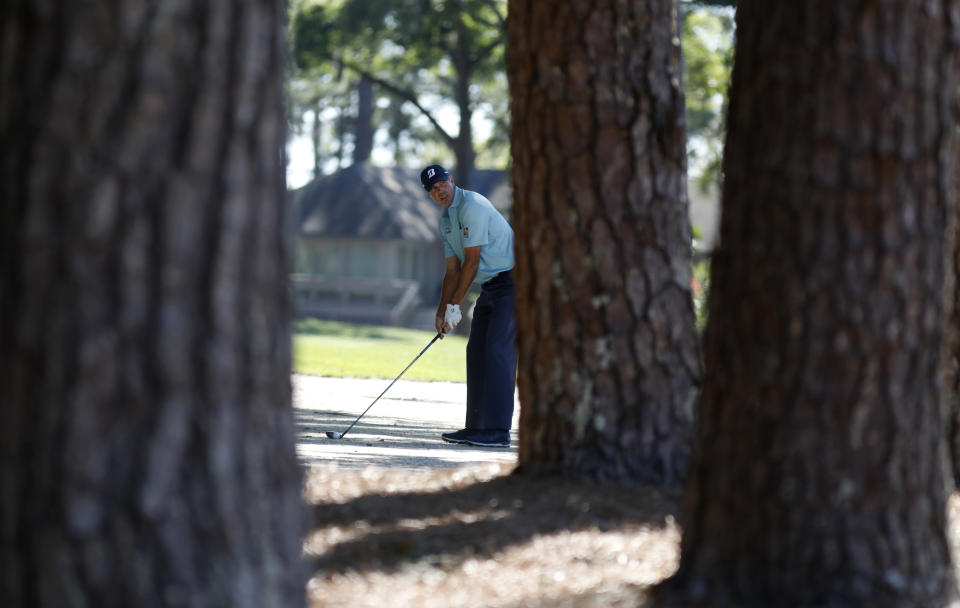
x,y
336,435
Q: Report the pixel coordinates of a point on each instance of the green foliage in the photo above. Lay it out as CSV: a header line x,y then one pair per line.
x,y
333,349
428,56
320,93
414,45
701,290
727,3
494,151
708,60
423,34
314,36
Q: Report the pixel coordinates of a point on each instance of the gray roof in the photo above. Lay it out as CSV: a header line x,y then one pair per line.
x,y
380,202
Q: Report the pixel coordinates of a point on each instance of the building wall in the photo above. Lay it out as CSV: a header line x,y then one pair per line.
x,y
372,259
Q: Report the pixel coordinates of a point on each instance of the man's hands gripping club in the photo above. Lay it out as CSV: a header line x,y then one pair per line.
x,y
448,322
457,279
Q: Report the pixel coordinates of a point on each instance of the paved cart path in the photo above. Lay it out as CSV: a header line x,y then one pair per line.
x,y
401,431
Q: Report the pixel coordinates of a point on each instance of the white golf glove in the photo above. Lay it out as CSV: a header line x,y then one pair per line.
x,y
452,316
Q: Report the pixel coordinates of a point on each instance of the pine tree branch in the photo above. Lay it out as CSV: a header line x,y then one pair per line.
x,y
403,94
501,20
485,51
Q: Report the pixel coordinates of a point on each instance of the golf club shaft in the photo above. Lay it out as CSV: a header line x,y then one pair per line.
x,y
435,338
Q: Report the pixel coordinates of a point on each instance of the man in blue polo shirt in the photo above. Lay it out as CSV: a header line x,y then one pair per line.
x,y
478,246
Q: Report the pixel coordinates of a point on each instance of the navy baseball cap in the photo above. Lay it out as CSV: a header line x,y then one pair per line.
x,y
432,175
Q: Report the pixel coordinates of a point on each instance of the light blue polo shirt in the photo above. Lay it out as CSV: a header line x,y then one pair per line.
x,y
472,220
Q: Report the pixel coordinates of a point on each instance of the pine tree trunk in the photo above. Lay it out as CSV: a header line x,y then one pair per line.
x,y
147,435
953,376
952,282
609,362
316,133
363,145
463,144
819,475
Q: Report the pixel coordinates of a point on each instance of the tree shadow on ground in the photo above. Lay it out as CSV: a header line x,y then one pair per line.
x,y
444,528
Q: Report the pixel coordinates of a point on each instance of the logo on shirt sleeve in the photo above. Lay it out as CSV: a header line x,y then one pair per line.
x,y
466,232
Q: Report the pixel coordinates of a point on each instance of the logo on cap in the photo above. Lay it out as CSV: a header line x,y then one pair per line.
x,y
431,173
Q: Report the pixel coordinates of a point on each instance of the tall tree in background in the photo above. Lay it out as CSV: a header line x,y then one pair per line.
x,y
147,434
609,362
819,469
363,143
317,83
413,50
311,95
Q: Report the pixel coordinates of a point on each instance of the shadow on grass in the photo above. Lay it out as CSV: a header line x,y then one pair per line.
x,y
444,528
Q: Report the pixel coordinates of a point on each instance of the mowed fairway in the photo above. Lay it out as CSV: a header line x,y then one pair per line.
x,y
327,348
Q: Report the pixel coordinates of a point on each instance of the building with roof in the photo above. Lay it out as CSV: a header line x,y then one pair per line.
x,y
367,248
366,243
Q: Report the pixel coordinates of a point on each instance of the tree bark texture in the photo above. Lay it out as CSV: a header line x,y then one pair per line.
x,y
608,353
819,473
147,432
952,282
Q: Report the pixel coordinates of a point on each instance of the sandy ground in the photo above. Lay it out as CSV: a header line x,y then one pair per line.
x,y
402,430
403,519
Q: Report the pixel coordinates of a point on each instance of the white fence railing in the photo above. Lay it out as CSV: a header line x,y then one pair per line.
x,y
382,301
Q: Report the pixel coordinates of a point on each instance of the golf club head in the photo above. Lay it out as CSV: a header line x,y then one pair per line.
x,y
334,435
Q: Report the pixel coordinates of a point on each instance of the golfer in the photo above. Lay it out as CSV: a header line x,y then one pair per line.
x,y
478,246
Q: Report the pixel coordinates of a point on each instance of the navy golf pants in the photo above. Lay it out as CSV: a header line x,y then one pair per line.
x,y
492,356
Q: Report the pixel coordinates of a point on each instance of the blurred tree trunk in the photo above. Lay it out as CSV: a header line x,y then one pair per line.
x,y
464,68
316,134
819,476
341,126
952,283
147,434
363,144
609,361
953,405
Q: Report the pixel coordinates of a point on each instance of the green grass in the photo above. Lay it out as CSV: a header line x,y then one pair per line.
x,y
328,348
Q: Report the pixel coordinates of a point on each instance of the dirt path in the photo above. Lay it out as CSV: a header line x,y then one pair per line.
x,y
400,518
401,431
